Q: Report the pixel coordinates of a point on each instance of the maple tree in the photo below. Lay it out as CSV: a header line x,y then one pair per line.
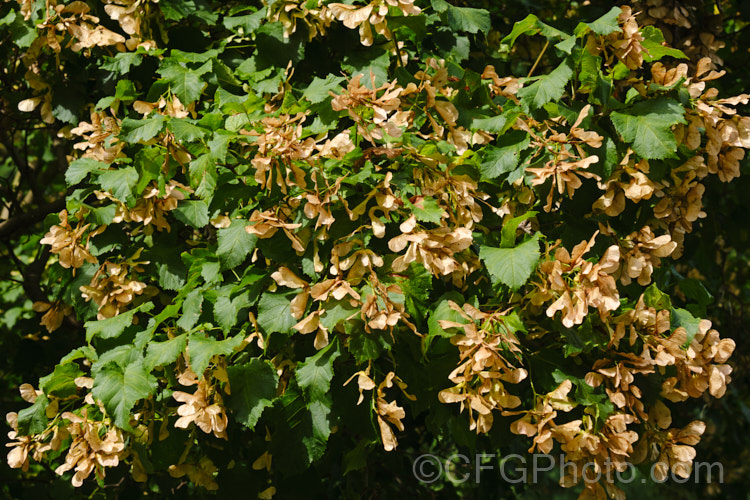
x,y
274,242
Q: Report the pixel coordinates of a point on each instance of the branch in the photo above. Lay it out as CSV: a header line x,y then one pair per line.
x,y
20,221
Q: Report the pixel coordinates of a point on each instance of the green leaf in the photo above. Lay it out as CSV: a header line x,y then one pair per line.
x,y
202,348
80,168
191,310
169,267
512,266
682,318
33,419
504,157
203,176
653,40
508,235
694,289
545,88
493,124
319,88
336,312
531,25
235,244
61,382
168,313
274,313
364,346
226,308
253,387
427,210
443,311
132,130
248,23
184,82
185,131
603,26
314,375
648,126
120,182
276,49
123,355
306,430
567,44
164,353
356,458
114,326
527,26
121,63
192,212
119,388
589,70
463,18
653,297
415,289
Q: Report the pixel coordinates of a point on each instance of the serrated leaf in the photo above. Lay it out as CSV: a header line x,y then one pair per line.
x,y
682,318
653,297
249,23
191,310
648,126
504,157
33,419
169,267
203,176
122,355
114,326
546,88
464,18
192,212
274,313
512,266
211,271
164,353
202,348
319,88
226,308
253,386
119,388
235,244
305,433
427,210
80,168
508,233
527,25
183,81
415,289
121,63
314,375
531,25
653,42
492,124
336,313
134,130
605,25
120,182
443,311
185,131
61,382
567,44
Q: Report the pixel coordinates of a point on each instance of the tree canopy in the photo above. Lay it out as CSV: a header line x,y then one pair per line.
x,y
287,247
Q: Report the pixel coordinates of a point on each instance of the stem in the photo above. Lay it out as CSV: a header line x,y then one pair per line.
x,y
395,46
538,58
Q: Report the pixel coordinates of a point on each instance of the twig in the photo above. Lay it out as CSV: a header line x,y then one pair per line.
x,y
538,58
10,226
